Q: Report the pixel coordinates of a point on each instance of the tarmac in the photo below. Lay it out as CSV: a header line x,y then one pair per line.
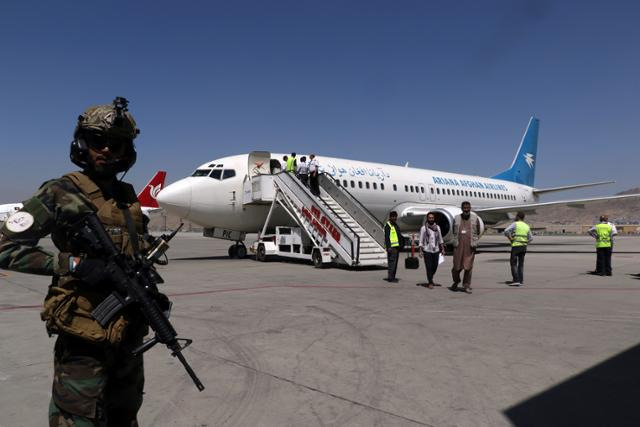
x,y
284,344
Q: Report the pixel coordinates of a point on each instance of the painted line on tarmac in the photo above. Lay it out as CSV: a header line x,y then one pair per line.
x,y
395,288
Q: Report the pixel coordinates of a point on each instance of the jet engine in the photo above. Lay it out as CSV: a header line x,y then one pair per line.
x,y
444,218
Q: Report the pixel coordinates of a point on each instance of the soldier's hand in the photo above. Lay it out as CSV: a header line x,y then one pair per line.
x,y
90,270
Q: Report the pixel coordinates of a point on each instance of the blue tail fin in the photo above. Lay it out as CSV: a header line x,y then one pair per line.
x,y
523,168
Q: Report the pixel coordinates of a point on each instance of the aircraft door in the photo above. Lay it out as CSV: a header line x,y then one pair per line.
x,y
259,163
431,195
422,191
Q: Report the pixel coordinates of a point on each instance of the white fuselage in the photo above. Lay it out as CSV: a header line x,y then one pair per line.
x,y
217,201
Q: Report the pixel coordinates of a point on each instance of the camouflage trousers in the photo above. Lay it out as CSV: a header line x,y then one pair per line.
x,y
94,386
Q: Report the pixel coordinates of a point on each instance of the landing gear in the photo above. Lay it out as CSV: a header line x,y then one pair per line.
x,y
237,251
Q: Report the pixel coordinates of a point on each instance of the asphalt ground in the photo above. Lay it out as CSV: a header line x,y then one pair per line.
x,y
284,344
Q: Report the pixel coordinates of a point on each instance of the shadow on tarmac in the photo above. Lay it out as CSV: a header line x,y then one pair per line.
x,y
604,395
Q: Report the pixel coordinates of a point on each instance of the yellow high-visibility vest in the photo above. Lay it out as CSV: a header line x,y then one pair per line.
x,y
603,235
521,234
290,165
393,236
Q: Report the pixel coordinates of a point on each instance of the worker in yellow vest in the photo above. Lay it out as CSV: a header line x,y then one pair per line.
x,y
603,232
291,164
519,234
393,242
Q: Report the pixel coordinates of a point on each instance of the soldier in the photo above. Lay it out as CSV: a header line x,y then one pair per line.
x,y
97,380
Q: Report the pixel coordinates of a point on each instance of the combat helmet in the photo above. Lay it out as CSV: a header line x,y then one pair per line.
x,y
105,125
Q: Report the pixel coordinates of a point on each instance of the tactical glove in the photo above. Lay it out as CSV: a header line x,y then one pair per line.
x,y
92,271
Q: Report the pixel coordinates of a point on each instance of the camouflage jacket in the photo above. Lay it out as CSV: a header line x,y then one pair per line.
x,y
57,205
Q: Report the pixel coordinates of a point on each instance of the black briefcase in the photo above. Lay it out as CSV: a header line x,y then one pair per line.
x,y
411,263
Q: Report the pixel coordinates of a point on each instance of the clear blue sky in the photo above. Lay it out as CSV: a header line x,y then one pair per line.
x,y
448,85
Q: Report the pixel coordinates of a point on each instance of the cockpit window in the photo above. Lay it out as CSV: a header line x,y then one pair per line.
x,y
228,173
216,173
201,172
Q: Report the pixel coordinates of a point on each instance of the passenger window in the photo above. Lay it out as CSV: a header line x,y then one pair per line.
x,y
345,183
338,183
375,186
438,190
228,173
411,188
395,187
353,184
367,184
406,188
216,173
422,189
431,190
382,186
448,192
201,172
359,184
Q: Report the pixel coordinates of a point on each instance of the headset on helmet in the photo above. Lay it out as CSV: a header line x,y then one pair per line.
x,y
105,121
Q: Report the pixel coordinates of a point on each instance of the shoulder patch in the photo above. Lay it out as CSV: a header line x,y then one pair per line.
x,y
19,222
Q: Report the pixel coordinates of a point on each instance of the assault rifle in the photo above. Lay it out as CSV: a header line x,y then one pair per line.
x,y
134,281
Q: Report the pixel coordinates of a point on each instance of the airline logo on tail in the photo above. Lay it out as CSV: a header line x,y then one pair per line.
x,y
154,190
147,197
528,157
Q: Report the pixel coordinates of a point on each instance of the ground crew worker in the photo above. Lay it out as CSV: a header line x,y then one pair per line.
x,y
291,164
519,234
603,233
393,242
97,381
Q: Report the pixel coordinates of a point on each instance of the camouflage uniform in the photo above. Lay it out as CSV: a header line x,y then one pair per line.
x,y
97,381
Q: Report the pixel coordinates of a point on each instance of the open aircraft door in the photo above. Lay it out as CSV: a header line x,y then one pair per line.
x,y
259,163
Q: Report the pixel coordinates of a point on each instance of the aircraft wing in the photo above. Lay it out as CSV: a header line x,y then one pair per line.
x,y
578,203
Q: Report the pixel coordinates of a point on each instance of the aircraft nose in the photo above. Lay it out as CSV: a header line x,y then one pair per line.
x,y
176,198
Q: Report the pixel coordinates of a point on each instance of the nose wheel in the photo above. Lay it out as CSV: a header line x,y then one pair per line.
x,y
237,251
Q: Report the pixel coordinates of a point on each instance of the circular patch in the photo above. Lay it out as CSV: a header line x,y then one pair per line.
x,y
19,222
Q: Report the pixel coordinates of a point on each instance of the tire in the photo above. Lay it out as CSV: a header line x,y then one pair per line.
x,y
261,253
233,251
241,251
316,258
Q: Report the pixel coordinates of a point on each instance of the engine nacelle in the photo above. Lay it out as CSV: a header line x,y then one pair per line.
x,y
445,217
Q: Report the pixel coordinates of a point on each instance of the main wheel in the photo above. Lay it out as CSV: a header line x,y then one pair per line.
x,y
233,251
316,258
241,251
261,253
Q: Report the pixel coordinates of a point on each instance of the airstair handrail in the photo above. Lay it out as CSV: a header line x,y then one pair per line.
x,y
373,221
290,178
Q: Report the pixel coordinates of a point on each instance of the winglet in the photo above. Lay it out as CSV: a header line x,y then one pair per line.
x,y
523,167
147,196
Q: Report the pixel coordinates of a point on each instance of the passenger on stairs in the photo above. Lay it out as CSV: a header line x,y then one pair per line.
x,y
303,171
313,175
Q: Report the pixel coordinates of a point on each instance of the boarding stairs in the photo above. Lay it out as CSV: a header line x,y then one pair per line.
x,y
335,222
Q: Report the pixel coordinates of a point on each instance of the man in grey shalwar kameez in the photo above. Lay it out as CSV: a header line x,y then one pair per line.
x,y
466,233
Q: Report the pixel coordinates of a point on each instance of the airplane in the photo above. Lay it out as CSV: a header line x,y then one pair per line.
x,y
146,197
212,195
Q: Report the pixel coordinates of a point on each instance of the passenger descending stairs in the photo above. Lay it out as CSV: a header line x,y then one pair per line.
x,y
371,252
